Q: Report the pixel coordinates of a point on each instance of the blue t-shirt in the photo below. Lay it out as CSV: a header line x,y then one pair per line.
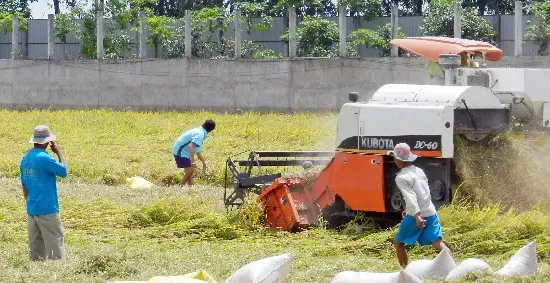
x,y
196,135
38,171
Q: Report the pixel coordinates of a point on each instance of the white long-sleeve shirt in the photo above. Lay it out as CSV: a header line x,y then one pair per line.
x,y
413,184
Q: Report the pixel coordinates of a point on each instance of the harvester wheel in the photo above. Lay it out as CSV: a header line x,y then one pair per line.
x,y
474,138
396,200
439,191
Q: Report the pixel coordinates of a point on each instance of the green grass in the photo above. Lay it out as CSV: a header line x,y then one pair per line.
x,y
105,147
116,233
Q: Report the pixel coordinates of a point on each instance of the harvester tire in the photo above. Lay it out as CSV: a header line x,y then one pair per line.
x,y
396,201
481,139
439,191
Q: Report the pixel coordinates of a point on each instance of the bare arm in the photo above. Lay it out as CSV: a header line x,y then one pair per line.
x,y
191,151
201,158
204,166
55,148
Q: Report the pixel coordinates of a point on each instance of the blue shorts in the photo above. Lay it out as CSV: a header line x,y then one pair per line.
x,y
182,162
409,233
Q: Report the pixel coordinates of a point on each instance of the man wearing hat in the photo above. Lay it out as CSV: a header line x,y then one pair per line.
x,y
420,222
38,172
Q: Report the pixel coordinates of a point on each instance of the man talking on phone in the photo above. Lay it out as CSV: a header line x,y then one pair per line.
x,y
38,172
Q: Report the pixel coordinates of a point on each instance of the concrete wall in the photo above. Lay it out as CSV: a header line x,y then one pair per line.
x,y
279,85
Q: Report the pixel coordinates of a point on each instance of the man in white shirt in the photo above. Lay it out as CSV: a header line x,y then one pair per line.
x,y
420,222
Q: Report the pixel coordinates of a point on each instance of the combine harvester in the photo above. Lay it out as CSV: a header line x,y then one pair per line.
x,y
470,101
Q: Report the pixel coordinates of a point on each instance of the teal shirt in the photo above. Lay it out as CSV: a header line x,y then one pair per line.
x,y
38,172
196,135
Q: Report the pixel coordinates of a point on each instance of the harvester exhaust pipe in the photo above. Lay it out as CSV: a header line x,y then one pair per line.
x,y
449,63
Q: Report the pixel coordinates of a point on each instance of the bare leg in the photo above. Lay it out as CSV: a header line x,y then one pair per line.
x,y
191,180
188,176
439,246
401,254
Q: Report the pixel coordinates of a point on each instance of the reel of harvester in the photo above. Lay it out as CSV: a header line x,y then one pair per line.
x,y
252,171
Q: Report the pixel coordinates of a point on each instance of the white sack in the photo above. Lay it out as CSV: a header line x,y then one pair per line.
x,y
439,267
468,266
267,270
373,277
523,262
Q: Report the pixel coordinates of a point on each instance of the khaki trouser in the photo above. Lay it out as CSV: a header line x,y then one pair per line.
x,y
46,237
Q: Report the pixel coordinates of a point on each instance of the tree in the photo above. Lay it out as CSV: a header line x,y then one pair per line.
x,y
255,10
15,6
56,4
303,7
539,30
379,39
439,21
315,37
367,9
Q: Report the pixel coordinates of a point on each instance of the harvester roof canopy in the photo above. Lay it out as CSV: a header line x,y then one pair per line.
x,y
436,95
430,47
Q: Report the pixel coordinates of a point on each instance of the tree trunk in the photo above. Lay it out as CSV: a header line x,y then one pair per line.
x,y
56,7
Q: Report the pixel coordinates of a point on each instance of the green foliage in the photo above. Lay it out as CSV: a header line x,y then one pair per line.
x,y
250,10
206,23
16,6
210,19
538,31
65,24
6,22
303,7
379,39
116,41
160,28
316,37
439,21
174,45
87,36
367,9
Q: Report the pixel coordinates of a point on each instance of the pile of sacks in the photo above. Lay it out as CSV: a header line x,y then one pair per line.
x,y
444,268
268,270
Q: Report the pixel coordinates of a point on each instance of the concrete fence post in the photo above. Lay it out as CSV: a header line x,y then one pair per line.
x,y
238,31
142,36
51,36
292,32
188,39
394,29
99,31
14,37
24,44
518,29
457,20
343,31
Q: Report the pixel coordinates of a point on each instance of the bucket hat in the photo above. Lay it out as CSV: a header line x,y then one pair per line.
x,y
42,135
402,151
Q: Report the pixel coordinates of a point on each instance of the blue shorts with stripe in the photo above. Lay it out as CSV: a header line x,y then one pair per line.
x,y
408,233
